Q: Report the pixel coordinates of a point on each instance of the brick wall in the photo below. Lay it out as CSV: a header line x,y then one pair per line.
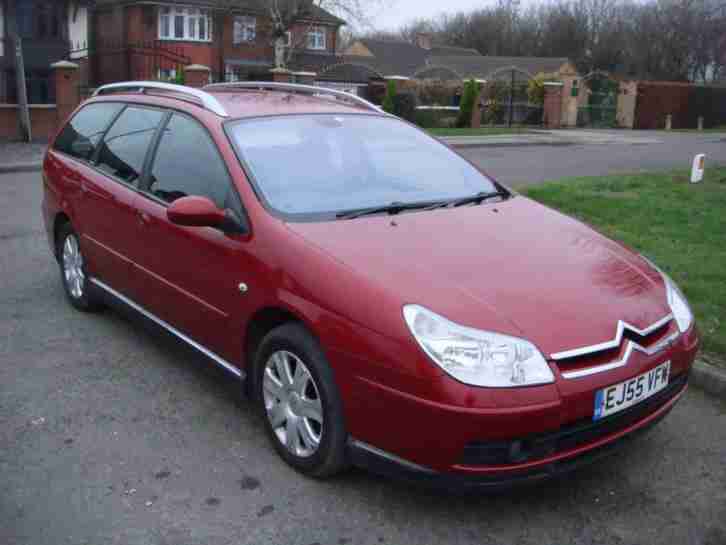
x,y
43,121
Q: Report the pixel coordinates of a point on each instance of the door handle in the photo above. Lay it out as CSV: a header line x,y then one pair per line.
x,y
84,187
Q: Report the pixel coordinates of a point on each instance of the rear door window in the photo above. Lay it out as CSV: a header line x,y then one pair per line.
x,y
80,137
126,143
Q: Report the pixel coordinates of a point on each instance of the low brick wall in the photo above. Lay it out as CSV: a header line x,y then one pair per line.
x,y
43,121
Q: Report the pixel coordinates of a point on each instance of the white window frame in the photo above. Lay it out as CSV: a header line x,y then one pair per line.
x,y
316,38
288,39
191,19
244,29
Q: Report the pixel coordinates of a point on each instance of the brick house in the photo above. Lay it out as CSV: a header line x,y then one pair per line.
x,y
142,39
47,29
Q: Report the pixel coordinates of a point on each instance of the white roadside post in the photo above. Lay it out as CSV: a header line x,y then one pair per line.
x,y
699,165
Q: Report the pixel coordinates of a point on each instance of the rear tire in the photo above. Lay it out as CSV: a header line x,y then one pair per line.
x,y
79,289
300,402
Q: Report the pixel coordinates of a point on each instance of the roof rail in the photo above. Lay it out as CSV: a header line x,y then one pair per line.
x,y
295,88
198,96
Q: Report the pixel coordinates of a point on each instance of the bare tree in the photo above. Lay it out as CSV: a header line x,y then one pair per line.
x,y
287,13
663,39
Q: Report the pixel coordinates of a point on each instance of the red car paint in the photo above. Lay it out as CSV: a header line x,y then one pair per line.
x,y
515,267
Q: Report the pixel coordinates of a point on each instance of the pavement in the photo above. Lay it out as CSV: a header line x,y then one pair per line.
x,y
20,157
113,434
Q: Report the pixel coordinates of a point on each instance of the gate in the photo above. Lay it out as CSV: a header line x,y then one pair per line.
x,y
505,99
602,102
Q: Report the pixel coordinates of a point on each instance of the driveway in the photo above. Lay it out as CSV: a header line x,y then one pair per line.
x,y
596,153
113,434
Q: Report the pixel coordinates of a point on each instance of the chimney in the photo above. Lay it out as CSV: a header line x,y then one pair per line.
x,y
423,40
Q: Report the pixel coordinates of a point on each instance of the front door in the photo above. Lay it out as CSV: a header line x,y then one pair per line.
x,y
189,276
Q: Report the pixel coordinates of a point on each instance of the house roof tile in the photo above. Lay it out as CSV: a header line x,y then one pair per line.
x,y
484,66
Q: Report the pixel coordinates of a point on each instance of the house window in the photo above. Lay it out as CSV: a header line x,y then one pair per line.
x,y
245,29
288,39
191,24
316,38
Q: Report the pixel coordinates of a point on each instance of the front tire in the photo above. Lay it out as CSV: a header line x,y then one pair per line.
x,y
75,280
300,402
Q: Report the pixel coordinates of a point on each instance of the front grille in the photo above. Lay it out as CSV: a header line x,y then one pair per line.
x,y
534,447
608,355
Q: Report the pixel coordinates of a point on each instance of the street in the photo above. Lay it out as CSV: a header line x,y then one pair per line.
x,y
522,166
111,433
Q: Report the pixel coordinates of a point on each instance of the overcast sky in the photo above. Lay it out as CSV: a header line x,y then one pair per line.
x,y
399,12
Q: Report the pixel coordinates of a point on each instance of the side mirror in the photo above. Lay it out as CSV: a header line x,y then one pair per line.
x,y
196,212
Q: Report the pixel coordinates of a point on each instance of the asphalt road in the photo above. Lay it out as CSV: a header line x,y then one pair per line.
x,y
113,434
520,166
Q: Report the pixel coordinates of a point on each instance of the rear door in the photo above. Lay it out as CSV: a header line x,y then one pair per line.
x,y
88,193
189,276
109,194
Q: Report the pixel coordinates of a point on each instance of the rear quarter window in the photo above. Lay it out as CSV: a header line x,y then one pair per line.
x,y
81,135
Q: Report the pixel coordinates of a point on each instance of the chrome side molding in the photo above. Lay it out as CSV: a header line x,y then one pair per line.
x,y
171,329
355,443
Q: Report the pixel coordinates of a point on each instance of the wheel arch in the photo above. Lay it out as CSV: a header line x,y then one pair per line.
x,y
61,219
260,324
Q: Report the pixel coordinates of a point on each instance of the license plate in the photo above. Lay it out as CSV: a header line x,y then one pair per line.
x,y
619,397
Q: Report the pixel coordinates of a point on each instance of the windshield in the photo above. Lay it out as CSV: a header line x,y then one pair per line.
x,y
323,164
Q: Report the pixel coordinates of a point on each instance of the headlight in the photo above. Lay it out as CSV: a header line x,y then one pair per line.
x,y
478,358
676,300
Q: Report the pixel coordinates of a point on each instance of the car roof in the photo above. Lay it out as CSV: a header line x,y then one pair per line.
x,y
255,103
238,101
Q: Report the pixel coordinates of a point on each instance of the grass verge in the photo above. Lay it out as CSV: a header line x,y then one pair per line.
x,y
680,226
482,131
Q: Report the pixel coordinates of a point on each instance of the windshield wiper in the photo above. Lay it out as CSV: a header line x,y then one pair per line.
x,y
478,198
392,208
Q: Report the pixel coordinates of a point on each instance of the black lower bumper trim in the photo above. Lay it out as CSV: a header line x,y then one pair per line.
x,y
386,465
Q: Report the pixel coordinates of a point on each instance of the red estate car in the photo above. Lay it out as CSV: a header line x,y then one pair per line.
x,y
389,304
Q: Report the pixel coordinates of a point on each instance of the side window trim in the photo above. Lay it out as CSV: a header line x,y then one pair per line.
x,y
93,160
136,185
145,179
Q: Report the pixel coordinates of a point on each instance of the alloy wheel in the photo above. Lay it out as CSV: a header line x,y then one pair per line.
x,y
292,403
73,266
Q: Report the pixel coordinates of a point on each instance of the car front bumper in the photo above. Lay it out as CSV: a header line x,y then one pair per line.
x,y
543,430
636,421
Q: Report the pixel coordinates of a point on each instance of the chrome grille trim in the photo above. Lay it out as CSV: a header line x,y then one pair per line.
x,y
622,326
660,345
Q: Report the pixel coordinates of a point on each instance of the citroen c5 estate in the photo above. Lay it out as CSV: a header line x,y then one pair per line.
x,y
383,302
